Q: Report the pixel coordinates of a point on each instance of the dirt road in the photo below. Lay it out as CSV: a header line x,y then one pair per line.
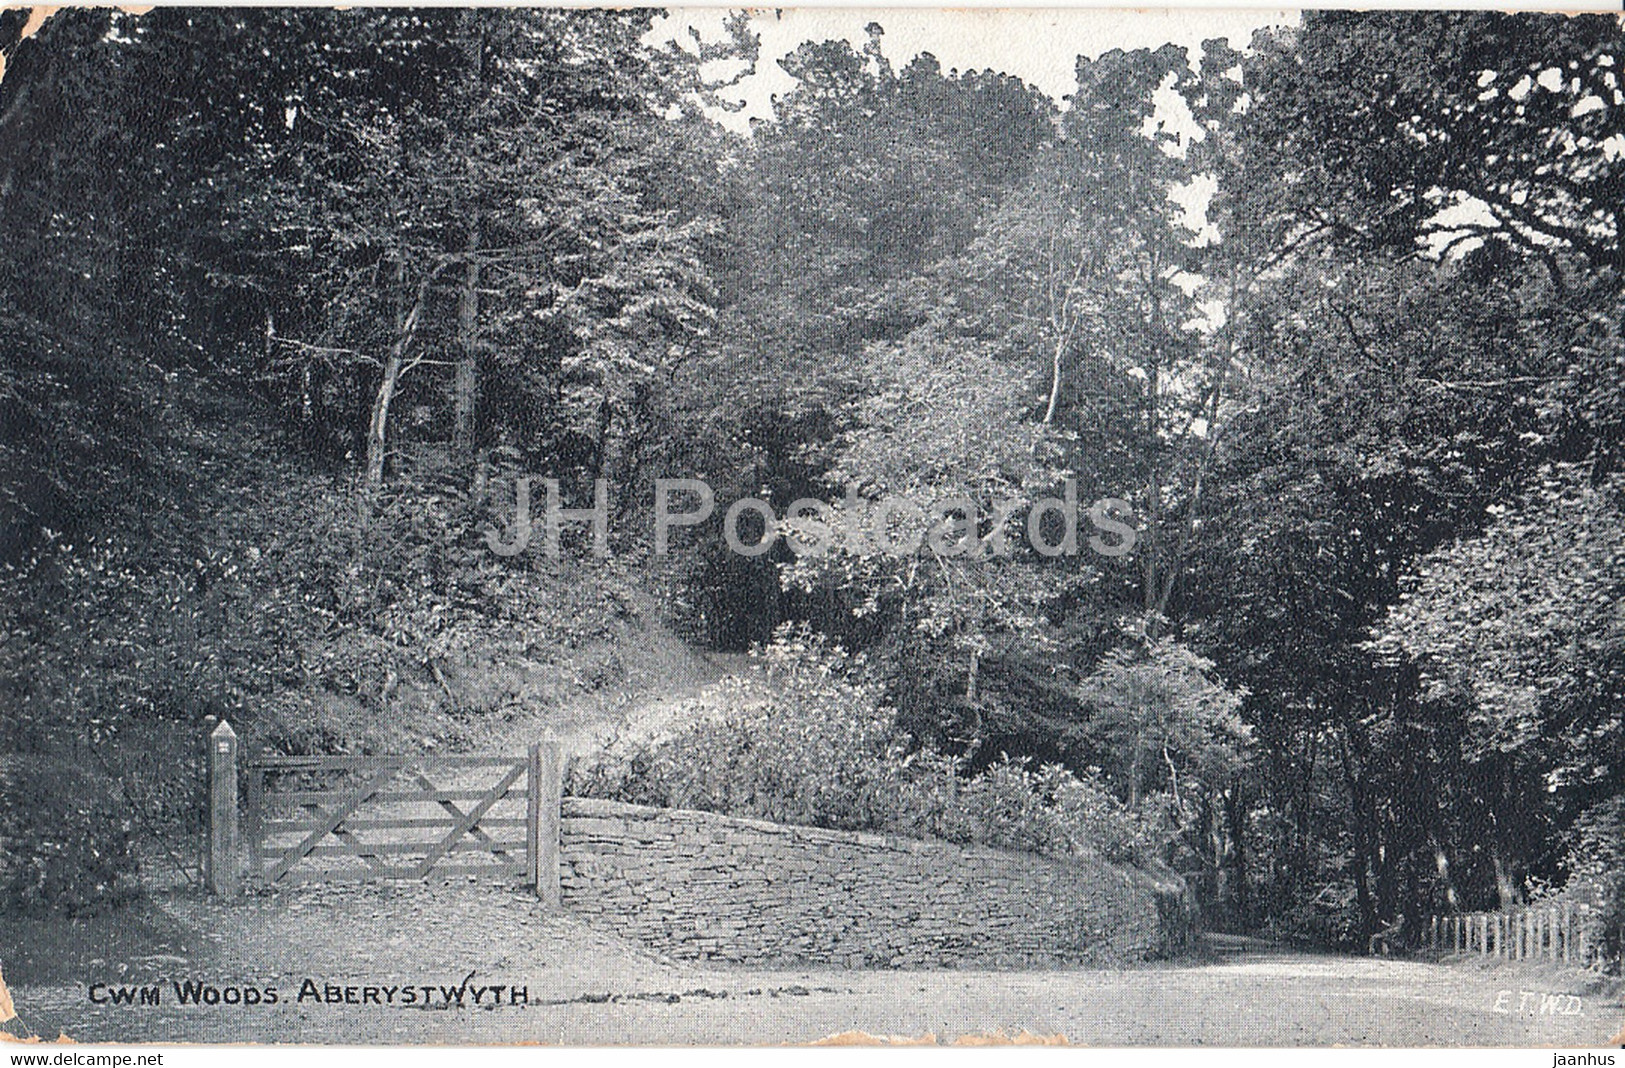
x,y
583,986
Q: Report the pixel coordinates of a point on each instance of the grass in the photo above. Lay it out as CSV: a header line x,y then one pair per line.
x,y
114,946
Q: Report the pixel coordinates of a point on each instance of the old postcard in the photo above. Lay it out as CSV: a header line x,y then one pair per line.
x,y
703,527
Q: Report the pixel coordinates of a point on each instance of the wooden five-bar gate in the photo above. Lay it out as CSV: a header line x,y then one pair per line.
x,y
325,819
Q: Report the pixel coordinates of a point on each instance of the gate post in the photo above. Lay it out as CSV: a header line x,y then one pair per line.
x,y
221,760
545,797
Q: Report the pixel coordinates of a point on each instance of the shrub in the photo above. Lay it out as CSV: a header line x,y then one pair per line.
x,y
1597,866
1044,810
64,845
1093,819
819,749
815,749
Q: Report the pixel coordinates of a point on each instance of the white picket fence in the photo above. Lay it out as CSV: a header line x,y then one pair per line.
x,y
1554,933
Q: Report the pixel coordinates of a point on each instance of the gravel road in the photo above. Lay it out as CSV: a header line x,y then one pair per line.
x,y
584,986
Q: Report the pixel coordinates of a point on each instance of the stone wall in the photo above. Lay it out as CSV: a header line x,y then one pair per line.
x,y
698,885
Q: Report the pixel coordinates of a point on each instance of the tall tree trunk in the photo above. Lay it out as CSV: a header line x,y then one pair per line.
x,y
378,425
1364,853
1054,381
465,379
465,376
1235,811
1188,528
1441,864
1211,890
1153,386
406,328
1506,887
1506,890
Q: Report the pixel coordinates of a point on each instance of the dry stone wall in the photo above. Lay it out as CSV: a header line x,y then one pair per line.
x,y
699,885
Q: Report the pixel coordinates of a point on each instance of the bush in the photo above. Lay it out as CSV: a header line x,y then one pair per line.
x,y
64,845
1092,818
819,749
1597,867
1044,810
816,750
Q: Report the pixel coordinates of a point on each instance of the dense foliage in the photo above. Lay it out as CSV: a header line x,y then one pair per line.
x,y
291,298
814,747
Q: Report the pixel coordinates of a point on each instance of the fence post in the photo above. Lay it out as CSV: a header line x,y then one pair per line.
x,y
546,796
1568,932
221,760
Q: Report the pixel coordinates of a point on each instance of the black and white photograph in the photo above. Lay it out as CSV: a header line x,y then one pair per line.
x,y
776,527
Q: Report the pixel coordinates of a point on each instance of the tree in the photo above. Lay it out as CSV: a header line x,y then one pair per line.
x,y
947,437
1445,373
1419,128
838,212
1172,738
499,204
1522,619
1159,712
